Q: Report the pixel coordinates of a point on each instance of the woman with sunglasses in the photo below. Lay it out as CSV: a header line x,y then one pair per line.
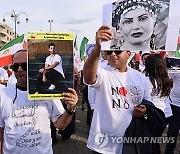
x,y
119,91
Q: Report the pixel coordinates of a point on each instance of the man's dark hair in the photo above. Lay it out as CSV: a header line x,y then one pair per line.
x,y
51,44
145,55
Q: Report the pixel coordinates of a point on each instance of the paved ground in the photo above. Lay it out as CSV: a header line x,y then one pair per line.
x,y
77,143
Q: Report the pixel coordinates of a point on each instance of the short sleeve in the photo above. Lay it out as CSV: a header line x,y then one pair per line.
x,y
57,58
99,77
57,109
47,61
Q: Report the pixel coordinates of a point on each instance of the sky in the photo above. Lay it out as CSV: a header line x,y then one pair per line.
x,y
82,17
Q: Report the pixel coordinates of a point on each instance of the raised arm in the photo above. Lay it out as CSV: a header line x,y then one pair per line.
x,y
91,65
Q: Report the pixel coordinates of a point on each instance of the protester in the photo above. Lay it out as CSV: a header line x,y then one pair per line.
x,y
144,56
119,92
174,123
160,84
51,71
25,124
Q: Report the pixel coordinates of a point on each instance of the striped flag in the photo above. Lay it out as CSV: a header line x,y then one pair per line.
x,y
11,48
83,47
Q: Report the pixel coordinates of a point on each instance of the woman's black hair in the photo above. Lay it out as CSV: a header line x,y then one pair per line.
x,y
156,70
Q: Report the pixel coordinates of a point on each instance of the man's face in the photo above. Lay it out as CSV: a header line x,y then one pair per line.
x,y
20,68
116,59
52,49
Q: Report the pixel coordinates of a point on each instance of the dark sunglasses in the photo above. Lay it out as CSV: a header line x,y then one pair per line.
x,y
15,66
116,52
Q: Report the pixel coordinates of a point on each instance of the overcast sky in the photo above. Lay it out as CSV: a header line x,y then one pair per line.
x,y
82,17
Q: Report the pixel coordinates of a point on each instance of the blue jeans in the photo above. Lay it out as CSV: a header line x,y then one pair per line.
x,y
173,130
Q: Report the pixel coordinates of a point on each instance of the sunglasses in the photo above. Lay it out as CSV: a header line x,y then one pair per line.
x,y
116,52
15,66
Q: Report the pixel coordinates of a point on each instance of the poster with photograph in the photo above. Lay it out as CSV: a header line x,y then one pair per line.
x,y
50,64
141,25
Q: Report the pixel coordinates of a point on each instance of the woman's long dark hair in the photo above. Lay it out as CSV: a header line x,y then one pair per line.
x,y
156,70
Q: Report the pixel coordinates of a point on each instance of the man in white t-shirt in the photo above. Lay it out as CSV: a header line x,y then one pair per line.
x,y
119,92
25,124
3,78
52,70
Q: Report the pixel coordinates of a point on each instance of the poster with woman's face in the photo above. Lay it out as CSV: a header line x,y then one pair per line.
x,y
140,25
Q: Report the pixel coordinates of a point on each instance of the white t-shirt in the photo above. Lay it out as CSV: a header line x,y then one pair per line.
x,y
12,80
175,91
27,123
3,76
116,92
160,102
56,58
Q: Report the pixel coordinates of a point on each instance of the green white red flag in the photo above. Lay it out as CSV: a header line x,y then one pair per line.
x,y
11,48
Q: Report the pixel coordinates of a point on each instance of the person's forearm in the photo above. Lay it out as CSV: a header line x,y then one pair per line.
x,y
51,66
63,121
91,65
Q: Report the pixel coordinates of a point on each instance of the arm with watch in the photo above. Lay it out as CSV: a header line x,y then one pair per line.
x,y
71,100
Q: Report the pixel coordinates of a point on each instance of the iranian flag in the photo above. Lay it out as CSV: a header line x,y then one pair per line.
x,y
11,48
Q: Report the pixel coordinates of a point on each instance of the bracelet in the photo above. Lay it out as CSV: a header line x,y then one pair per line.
x,y
70,112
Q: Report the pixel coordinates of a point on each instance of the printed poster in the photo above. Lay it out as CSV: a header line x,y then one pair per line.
x,y
142,25
50,64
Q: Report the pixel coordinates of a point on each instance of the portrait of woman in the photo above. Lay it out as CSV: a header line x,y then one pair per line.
x,y
135,23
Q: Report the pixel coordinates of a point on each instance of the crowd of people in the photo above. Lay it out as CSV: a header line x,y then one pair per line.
x,y
123,99
126,97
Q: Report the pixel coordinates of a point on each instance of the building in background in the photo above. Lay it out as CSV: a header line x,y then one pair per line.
x,y
6,34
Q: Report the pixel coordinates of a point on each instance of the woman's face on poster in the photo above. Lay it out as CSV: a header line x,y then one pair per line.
x,y
137,26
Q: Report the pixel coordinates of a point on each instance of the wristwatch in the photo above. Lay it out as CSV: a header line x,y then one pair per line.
x,y
70,112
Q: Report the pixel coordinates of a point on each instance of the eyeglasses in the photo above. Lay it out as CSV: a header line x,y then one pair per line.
x,y
116,52
15,66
